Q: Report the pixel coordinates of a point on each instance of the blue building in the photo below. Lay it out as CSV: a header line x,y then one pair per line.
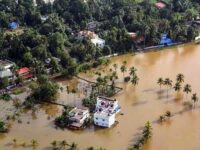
x,y
13,25
165,40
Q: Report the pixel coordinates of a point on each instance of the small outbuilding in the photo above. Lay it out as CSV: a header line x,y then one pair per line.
x,y
165,40
13,25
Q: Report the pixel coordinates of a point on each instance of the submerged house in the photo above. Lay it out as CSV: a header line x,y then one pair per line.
x,y
165,40
105,113
78,116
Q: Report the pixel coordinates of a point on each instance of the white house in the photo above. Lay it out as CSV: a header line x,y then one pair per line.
x,y
5,68
93,36
98,42
106,110
78,116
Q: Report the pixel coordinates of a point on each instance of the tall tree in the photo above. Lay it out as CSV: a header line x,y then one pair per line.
x,y
168,83
187,89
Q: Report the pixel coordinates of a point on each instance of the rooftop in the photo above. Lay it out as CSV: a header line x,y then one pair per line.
x,y
78,113
160,5
87,33
106,106
23,70
6,64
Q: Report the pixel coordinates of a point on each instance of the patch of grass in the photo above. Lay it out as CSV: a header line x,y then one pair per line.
x,y
5,97
18,91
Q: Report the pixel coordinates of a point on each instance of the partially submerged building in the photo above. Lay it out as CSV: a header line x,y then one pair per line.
x,y
78,116
105,113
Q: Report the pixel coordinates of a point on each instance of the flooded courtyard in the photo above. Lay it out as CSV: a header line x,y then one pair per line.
x,y
139,104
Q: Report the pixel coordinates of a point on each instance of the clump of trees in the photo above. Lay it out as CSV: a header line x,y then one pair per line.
x,y
165,117
178,87
3,127
63,120
45,92
49,30
146,135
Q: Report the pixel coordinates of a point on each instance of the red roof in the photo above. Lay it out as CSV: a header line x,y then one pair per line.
x,y
87,33
23,70
160,5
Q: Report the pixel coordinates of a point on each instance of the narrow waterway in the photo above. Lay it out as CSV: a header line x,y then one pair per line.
x,y
139,104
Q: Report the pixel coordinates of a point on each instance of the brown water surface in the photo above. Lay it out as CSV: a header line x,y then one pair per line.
x,y
139,104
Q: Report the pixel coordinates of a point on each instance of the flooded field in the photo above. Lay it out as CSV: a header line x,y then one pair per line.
x,y
139,104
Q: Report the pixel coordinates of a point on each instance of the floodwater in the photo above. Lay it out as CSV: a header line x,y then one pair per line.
x,y
139,104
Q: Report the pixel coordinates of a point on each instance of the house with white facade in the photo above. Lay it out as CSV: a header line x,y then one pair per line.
x,y
78,116
98,42
105,112
6,69
95,39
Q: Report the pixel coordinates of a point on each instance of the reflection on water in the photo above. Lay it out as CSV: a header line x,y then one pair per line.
x,y
140,104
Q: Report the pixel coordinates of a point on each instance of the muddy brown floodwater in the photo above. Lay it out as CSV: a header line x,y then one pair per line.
x,y
140,104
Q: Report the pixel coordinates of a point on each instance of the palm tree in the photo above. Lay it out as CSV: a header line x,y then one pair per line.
x,y
124,62
168,114
34,143
168,83
54,145
63,144
135,80
187,89
132,70
194,98
123,69
115,66
14,141
160,82
180,78
74,94
73,146
177,87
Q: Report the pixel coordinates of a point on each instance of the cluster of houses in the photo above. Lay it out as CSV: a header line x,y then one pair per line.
x,y
104,115
7,71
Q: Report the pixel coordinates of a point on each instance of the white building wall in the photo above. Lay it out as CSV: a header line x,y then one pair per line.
x,y
98,42
104,121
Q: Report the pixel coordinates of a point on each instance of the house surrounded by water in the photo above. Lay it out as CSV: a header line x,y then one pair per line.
x,y
78,116
105,113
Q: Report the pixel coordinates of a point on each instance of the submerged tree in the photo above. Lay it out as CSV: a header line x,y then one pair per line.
x,y
194,98
132,71
180,78
187,89
177,87
168,83
160,82
135,80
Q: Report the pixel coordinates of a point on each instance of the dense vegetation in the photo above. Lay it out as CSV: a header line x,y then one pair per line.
x,y
39,39
44,91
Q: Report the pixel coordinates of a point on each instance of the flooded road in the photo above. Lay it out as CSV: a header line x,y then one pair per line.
x,y
139,104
